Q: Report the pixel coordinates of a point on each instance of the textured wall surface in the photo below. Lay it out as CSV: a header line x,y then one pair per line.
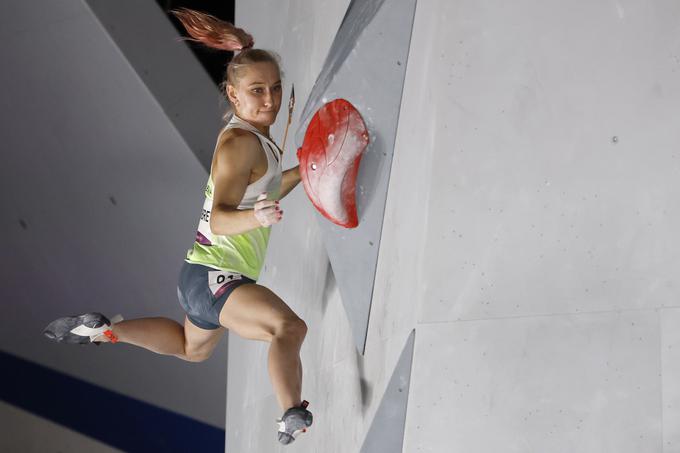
x,y
531,209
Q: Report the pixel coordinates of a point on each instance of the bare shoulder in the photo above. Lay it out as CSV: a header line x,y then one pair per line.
x,y
238,139
237,146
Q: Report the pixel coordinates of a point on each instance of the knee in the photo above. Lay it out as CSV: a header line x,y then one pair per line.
x,y
291,327
196,355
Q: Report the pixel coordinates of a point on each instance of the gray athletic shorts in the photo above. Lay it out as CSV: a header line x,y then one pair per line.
x,y
202,292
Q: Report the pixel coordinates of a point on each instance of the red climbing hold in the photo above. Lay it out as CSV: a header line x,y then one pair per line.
x,y
329,160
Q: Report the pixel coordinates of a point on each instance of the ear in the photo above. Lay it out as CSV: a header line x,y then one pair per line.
x,y
231,94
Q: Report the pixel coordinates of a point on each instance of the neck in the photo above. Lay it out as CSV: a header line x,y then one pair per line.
x,y
263,129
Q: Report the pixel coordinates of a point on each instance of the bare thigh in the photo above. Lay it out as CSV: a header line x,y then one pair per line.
x,y
200,343
254,312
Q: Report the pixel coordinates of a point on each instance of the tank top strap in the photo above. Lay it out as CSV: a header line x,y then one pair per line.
x,y
267,143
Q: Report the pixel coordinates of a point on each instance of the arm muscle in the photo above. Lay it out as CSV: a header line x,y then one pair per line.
x,y
232,166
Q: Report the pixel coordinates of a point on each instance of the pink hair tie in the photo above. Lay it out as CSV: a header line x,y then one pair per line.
x,y
249,45
243,49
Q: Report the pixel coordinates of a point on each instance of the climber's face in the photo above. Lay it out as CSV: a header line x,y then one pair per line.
x,y
256,97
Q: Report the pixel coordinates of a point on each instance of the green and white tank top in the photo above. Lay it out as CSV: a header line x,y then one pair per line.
x,y
241,253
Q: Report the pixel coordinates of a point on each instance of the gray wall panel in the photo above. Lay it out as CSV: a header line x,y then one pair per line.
x,y
386,433
182,88
100,198
499,100
365,65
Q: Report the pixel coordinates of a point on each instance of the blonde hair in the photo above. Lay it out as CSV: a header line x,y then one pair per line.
x,y
218,34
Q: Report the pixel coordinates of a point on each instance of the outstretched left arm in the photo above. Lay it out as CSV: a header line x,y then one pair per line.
x,y
289,179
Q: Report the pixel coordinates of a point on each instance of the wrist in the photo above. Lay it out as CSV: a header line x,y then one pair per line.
x,y
255,219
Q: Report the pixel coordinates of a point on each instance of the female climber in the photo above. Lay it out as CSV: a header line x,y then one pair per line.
x,y
217,284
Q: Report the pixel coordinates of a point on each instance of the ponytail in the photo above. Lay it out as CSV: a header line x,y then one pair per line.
x,y
213,32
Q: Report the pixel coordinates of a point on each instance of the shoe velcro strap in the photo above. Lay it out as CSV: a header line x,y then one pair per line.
x,y
85,331
93,333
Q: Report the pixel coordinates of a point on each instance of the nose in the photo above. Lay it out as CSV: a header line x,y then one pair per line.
x,y
268,100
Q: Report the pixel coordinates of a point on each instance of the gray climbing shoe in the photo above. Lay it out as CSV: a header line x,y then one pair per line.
x,y
295,420
81,329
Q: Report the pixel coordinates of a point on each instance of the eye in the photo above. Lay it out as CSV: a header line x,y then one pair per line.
x,y
277,88
257,90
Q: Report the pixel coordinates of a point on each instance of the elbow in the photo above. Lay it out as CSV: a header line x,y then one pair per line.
x,y
223,221
213,229
215,222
